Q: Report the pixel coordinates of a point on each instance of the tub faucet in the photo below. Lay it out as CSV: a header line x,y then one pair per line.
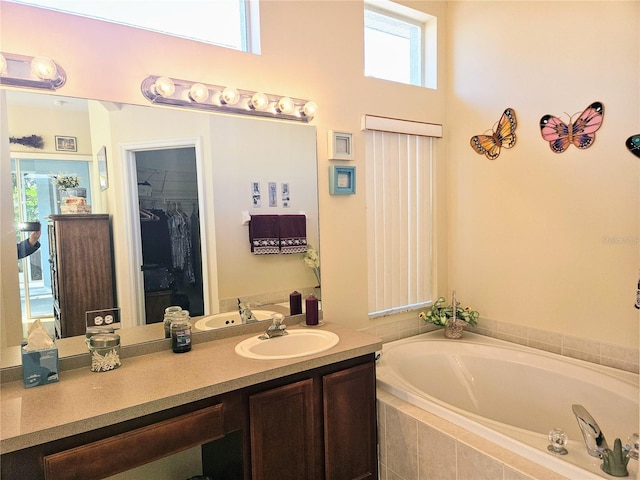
x,y
593,436
453,306
276,329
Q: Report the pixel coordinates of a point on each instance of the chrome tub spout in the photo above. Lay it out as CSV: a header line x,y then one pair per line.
x,y
593,436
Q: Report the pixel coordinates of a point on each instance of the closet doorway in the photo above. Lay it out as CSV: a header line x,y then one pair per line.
x,y
167,184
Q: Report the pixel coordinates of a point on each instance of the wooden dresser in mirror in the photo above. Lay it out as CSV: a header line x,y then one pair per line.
x,y
81,261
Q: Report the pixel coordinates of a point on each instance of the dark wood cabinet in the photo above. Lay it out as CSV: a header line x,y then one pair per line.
x,y
350,428
80,256
313,425
282,420
323,427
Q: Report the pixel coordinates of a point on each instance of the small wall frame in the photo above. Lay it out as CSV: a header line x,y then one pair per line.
x,y
103,174
340,145
66,144
342,180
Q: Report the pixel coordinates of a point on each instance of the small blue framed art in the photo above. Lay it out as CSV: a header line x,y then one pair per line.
x,y
342,180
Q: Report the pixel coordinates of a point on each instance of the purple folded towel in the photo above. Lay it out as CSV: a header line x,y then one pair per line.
x,y
293,233
264,234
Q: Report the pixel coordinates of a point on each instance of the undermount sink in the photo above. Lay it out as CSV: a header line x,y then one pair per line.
x,y
297,343
211,322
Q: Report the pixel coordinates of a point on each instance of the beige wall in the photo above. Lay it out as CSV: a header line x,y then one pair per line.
x,y
540,239
25,121
518,249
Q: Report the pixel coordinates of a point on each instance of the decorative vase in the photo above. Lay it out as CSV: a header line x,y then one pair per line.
x,y
454,329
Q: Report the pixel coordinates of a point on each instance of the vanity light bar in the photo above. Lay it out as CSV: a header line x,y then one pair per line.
x,y
30,72
183,93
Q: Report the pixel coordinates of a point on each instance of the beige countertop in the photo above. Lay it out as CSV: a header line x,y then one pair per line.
x,y
83,400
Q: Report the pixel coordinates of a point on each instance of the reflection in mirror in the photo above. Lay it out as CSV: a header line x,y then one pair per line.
x,y
170,231
232,156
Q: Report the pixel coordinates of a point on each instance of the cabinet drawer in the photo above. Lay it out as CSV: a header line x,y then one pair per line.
x,y
131,449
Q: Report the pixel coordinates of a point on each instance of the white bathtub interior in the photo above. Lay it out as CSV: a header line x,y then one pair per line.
x,y
512,395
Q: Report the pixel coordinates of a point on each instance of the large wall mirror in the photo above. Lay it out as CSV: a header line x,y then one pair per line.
x,y
144,162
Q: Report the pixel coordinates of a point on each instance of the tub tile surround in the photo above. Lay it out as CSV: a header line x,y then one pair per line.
x,y
600,353
416,445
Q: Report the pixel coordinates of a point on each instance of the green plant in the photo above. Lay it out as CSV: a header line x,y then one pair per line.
x,y
441,314
64,180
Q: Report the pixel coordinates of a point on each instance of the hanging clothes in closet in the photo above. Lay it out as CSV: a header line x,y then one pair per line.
x,y
181,251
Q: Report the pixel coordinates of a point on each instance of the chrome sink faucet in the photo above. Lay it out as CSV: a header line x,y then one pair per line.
x,y
593,436
276,329
245,312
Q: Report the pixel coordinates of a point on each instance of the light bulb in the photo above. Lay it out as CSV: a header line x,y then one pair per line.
x,y
245,103
164,87
44,68
198,93
216,99
230,96
310,109
259,101
3,64
286,105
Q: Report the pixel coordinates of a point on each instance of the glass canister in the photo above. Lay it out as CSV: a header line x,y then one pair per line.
x,y
181,332
97,330
169,313
105,352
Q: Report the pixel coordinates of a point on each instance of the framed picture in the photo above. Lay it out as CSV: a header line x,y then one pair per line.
x,y
103,175
66,144
340,145
342,180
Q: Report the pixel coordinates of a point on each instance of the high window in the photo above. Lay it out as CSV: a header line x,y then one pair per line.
x,y
399,220
228,23
399,44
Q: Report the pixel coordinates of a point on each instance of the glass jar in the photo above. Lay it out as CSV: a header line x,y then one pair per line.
x,y
169,313
97,330
105,352
181,332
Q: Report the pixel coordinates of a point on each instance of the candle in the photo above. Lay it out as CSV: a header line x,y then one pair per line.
x,y
295,303
312,310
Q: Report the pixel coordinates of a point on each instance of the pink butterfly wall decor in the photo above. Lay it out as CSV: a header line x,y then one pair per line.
x,y
581,133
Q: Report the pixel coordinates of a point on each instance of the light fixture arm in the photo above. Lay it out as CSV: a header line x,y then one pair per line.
x,y
224,99
30,72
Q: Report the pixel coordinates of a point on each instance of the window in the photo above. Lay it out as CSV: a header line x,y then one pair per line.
x,y
228,23
399,220
399,44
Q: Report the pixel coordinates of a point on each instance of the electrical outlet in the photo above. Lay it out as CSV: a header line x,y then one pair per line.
x,y
109,317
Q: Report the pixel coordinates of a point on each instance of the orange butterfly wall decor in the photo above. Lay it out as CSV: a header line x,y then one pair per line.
x,y
503,136
581,133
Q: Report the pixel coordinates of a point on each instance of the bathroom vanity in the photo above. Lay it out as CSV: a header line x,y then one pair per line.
x,y
310,417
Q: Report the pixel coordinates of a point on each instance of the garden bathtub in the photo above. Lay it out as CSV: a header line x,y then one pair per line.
x,y
513,395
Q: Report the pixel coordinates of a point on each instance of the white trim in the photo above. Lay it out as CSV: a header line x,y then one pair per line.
x,y
51,156
397,9
395,125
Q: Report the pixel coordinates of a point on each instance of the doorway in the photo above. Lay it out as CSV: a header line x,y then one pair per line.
x,y
167,182
35,197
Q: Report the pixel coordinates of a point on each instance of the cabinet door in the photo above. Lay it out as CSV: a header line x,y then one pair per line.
x,y
281,424
350,423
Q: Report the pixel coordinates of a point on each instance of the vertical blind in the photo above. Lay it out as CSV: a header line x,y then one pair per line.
x,y
399,220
